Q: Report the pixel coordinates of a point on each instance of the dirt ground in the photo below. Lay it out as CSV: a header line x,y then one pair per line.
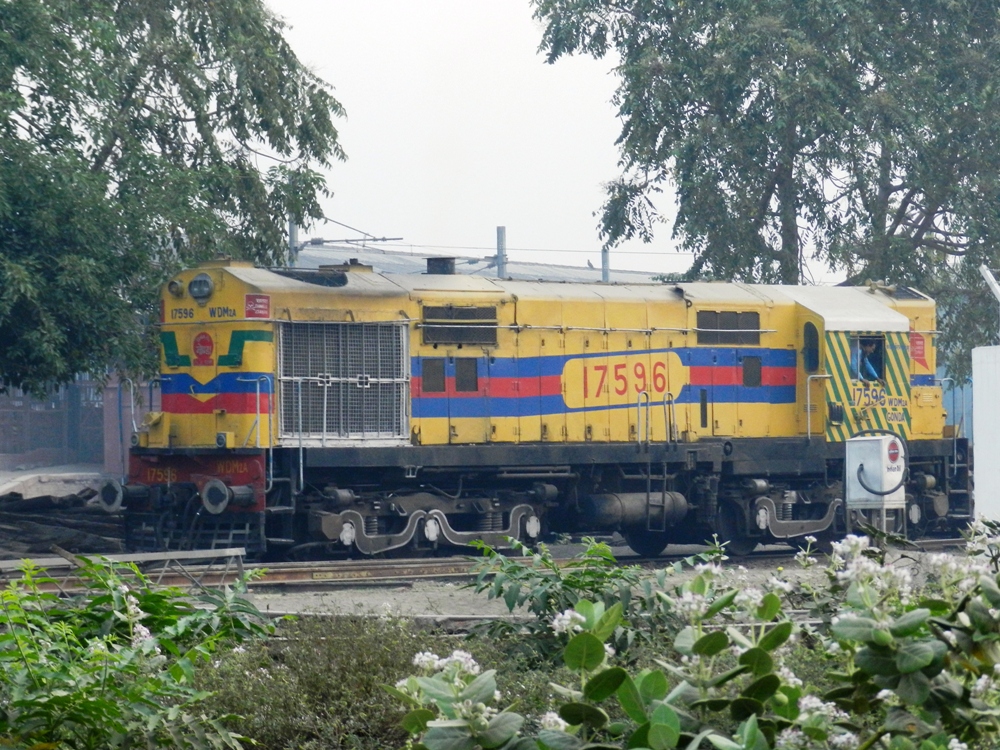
x,y
451,601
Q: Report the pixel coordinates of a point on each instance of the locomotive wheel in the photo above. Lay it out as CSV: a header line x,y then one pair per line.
x,y
646,543
730,530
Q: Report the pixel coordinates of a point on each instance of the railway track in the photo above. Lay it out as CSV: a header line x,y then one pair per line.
x,y
215,569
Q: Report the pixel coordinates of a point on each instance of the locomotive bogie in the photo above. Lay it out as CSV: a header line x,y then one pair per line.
x,y
344,411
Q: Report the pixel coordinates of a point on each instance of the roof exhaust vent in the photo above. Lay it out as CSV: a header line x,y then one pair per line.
x,y
441,266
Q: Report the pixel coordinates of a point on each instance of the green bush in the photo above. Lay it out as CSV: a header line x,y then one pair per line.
x,y
113,667
319,683
909,671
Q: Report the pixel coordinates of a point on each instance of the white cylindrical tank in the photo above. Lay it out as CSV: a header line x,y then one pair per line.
x,y
986,416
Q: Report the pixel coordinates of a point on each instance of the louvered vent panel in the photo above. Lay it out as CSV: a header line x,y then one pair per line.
x,y
344,380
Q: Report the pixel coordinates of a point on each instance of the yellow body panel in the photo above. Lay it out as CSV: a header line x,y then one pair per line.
x,y
569,363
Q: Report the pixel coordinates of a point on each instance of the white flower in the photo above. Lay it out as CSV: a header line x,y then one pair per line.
x,y
778,585
791,739
426,661
884,695
552,721
608,650
568,621
788,677
954,744
461,659
810,540
983,686
843,741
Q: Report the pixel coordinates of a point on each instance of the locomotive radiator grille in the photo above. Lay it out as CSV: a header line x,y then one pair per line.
x,y
344,381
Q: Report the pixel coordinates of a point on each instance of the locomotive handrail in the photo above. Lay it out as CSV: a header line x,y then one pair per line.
x,y
809,380
671,422
639,418
121,421
954,436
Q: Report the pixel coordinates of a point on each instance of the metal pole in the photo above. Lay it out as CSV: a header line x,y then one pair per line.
x,y
605,265
293,241
501,252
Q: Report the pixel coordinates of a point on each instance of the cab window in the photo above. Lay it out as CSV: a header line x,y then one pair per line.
x,y
810,348
868,358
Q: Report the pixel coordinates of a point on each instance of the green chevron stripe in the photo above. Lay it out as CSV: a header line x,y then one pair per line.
x,y
234,357
838,388
173,358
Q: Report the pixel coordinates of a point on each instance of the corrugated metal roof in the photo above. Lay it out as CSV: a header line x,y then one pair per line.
x,y
394,262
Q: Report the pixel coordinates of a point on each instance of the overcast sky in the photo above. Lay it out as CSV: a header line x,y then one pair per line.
x,y
456,125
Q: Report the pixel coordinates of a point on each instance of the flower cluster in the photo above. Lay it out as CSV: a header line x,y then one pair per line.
x,y
460,663
853,566
957,575
568,622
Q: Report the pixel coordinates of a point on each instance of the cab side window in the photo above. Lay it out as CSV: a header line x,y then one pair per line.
x,y
868,358
810,348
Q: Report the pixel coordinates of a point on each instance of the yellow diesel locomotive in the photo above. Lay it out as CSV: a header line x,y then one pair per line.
x,y
338,410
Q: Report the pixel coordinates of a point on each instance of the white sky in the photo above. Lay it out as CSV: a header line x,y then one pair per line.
x,y
456,125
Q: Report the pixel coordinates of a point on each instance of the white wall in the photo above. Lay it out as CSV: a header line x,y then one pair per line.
x,y
986,415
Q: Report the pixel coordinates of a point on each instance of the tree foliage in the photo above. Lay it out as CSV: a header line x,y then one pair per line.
x,y
862,133
137,136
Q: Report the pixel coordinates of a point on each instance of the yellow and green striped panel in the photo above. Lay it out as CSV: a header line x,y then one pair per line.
x,y
887,411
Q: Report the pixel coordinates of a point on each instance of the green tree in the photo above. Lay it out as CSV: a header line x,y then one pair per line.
x,y
137,136
862,133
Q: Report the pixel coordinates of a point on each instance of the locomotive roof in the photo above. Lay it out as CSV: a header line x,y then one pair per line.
x,y
843,308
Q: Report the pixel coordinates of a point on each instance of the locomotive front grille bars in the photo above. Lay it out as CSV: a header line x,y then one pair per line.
x,y
354,381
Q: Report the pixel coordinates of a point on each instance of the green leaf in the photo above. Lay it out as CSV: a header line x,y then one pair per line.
x,y
854,629
720,604
449,738
913,656
877,662
604,684
763,688
584,652
712,704
759,661
727,676
501,728
776,636
639,738
662,736
711,644
721,743
684,641
769,607
743,708
554,740
511,596
415,722
583,713
988,587
909,623
631,701
608,622
437,689
914,688
481,689
653,687
664,714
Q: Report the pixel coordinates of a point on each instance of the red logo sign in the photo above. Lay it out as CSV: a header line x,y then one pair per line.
x,y
258,306
893,451
203,348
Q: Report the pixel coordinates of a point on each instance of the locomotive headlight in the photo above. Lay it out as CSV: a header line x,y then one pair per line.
x,y
201,287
